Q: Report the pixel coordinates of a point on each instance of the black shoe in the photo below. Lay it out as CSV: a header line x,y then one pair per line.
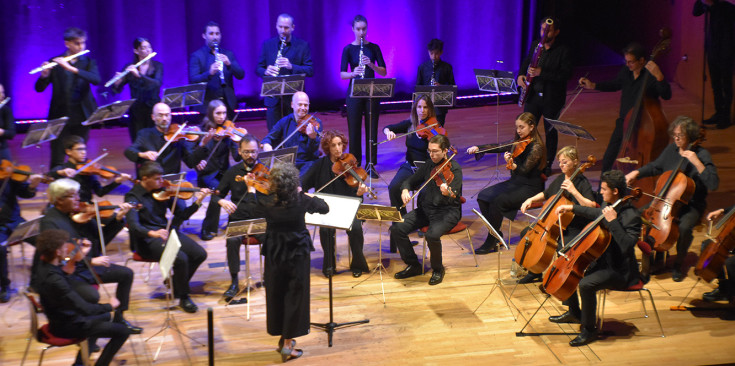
x,y
530,277
231,291
487,248
585,337
436,277
716,295
409,271
567,317
356,273
4,295
677,275
723,125
132,328
206,236
712,120
187,305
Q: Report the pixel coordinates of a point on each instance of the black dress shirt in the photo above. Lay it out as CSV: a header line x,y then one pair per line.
x,y
199,64
152,216
582,184
631,88
416,147
351,58
556,68
7,123
443,73
238,189
145,89
431,199
297,52
320,173
88,184
150,139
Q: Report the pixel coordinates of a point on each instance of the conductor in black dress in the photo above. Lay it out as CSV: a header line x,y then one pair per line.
x,y
295,59
436,72
287,249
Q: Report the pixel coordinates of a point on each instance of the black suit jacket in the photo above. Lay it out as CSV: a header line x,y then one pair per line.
x,y
71,90
199,63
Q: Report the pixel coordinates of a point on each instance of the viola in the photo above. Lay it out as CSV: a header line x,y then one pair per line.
x,y
190,133
354,176
169,189
518,149
426,131
562,278
18,173
538,246
107,172
228,129
259,177
714,255
106,209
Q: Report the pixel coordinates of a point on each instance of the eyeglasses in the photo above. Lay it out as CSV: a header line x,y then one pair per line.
x,y
249,152
434,152
73,195
678,135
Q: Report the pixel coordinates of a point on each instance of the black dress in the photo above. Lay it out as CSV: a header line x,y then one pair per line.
x,y
287,250
146,90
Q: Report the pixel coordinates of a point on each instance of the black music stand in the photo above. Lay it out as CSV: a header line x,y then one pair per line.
x,y
342,210
278,86
109,112
39,133
441,95
371,88
566,128
22,232
245,228
287,155
184,96
380,214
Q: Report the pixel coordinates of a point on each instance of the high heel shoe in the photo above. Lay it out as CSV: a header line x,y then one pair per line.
x,y
287,353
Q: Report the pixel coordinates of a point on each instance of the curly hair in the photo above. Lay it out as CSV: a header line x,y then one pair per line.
x,y
328,136
284,178
688,126
49,241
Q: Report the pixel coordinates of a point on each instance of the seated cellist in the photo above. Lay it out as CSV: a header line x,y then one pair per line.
x,y
726,279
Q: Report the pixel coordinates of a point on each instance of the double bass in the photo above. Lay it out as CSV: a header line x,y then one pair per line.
x,y
538,246
714,255
562,279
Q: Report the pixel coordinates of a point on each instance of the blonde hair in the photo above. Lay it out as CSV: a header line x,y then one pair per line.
x,y
570,152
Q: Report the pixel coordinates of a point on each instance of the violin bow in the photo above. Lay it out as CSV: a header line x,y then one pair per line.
x,y
579,90
333,179
176,199
438,170
295,130
504,145
181,128
407,133
85,166
99,228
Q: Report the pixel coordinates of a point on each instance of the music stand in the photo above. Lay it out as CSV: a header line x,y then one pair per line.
x,y
371,88
569,129
496,81
39,133
184,96
380,214
245,228
278,86
287,155
109,112
342,210
22,232
497,284
441,95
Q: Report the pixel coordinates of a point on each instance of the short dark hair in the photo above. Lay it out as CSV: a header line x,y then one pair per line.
x,y
635,49
442,140
359,18
286,16
49,241
248,138
436,45
71,141
211,23
150,168
615,179
73,33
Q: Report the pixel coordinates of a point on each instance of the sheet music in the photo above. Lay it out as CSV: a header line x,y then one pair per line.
x,y
342,210
169,254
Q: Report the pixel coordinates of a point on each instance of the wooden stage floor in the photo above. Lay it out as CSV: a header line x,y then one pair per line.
x,y
418,324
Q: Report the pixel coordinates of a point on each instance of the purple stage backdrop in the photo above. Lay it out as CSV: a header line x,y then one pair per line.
x,y
477,34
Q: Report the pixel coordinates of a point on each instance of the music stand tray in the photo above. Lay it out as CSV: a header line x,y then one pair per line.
x,y
373,88
109,112
441,95
380,214
274,86
566,128
184,96
39,133
24,231
287,155
496,81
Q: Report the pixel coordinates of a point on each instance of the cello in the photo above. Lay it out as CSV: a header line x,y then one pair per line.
x,y
562,279
714,255
538,246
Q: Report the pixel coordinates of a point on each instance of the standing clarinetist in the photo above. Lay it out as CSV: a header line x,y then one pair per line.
x,y
435,72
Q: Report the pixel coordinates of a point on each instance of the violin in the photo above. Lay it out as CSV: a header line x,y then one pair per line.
x,y
562,278
259,178
538,246
106,209
445,175
518,149
228,129
73,255
169,189
426,131
18,173
190,133
107,172
309,120
714,255
354,176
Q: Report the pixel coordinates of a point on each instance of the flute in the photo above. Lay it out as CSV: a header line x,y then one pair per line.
x,y
54,64
126,71
4,102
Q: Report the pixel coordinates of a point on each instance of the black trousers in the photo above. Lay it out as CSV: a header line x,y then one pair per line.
x,y
394,188
276,108
329,246
540,106
123,276
97,326
441,115
503,200
287,296
187,261
4,278
588,287
688,219
613,146
233,253
357,108
439,223
720,70
210,223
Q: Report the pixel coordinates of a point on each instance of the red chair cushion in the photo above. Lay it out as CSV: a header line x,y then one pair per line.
x,y
45,336
644,247
457,228
251,240
138,258
637,287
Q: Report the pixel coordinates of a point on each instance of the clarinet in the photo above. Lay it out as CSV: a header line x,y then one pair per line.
x,y
215,47
362,74
279,54
4,102
433,73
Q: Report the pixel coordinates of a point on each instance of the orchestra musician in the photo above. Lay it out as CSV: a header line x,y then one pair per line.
x,y
286,249
364,59
436,71
333,147
71,95
616,268
149,230
63,195
416,149
248,150
7,126
214,167
150,140
69,314
579,191
726,279
548,90
698,166
526,178
295,59
215,66
630,82
145,86
438,207
307,142
76,153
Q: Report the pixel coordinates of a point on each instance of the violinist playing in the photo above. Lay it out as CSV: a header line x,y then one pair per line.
x,y
63,195
306,140
333,145
422,111
76,154
214,167
578,190
726,279
150,140
617,267
235,207
438,208
698,166
526,160
148,230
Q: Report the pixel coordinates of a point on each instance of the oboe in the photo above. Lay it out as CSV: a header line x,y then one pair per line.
x,y
279,54
215,47
362,74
